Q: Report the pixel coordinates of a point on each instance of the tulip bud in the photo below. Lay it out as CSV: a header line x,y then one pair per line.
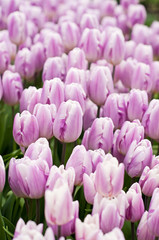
x,y
154,69
11,47
89,114
53,68
85,138
138,156
144,53
135,209
100,129
89,187
108,8
68,117
136,14
137,104
27,178
45,114
81,163
149,119
90,42
129,49
143,231
129,132
55,200
89,21
2,174
100,85
25,64
25,129
125,3
113,46
77,59
115,234
141,34
12,87
39,56
53,92
17,27
4,57
115,108
149,180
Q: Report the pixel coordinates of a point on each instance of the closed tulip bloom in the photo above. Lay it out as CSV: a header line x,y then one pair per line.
x,y
53,68
81,163
108,21
89,229
129,49
98,135
89,21
149,180
154,69
80,76
57,200
109,177
111,211
29,98
25,129
12,87
68,228
137,104
149,120
90,42
115,234
27,178
4,57
125,3
70,34
124,72
108,8
144,53
75,92
45,115
39,56
40,150
85,138
129,132
141,34
68,117
17,27
139,155
53,92
143,231
2,174
153,214
77,59
136,14
89,114
114,149
11,47
100,84
135,209
115,108
55,173
97,156
25,64
89,187
113,46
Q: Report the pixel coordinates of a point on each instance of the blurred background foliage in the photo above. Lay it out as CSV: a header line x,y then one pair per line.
x,y
152,7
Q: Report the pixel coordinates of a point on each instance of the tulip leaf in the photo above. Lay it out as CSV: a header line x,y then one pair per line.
x,y
2,232
7,208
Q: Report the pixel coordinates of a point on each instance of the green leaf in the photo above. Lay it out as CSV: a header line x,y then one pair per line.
x,y
7,208
2,232
9,224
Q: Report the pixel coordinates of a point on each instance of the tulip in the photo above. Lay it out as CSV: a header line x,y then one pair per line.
x,y
81,163
149,180
8,7
89,229
25,64
12,87
115,234
154,70
97,156
89,21
138,156
89,114
100,129
25,129
77,59
143,231
115,151
27,178
85,138
136,14
129,49
135,209
141,34
125,3
100,85
11,47
68,117
137,104
113,46
90,42
4,57
108,8
53,68
39,56
40,150
45,114
17,27
115,108
144,53
149,120
108,21
56,200
129,132
89,187
53,92
2,174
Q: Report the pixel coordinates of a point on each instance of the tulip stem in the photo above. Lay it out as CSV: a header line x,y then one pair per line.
x,y
113,73
63,153
37,211
59,232
27,207
132,231
13,114
98,112
146,202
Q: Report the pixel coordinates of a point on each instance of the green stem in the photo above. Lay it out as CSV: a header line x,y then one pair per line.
x,y
98,112
59,232
132,231
63,153
13,114
113,73
55,148
27,207
37,211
